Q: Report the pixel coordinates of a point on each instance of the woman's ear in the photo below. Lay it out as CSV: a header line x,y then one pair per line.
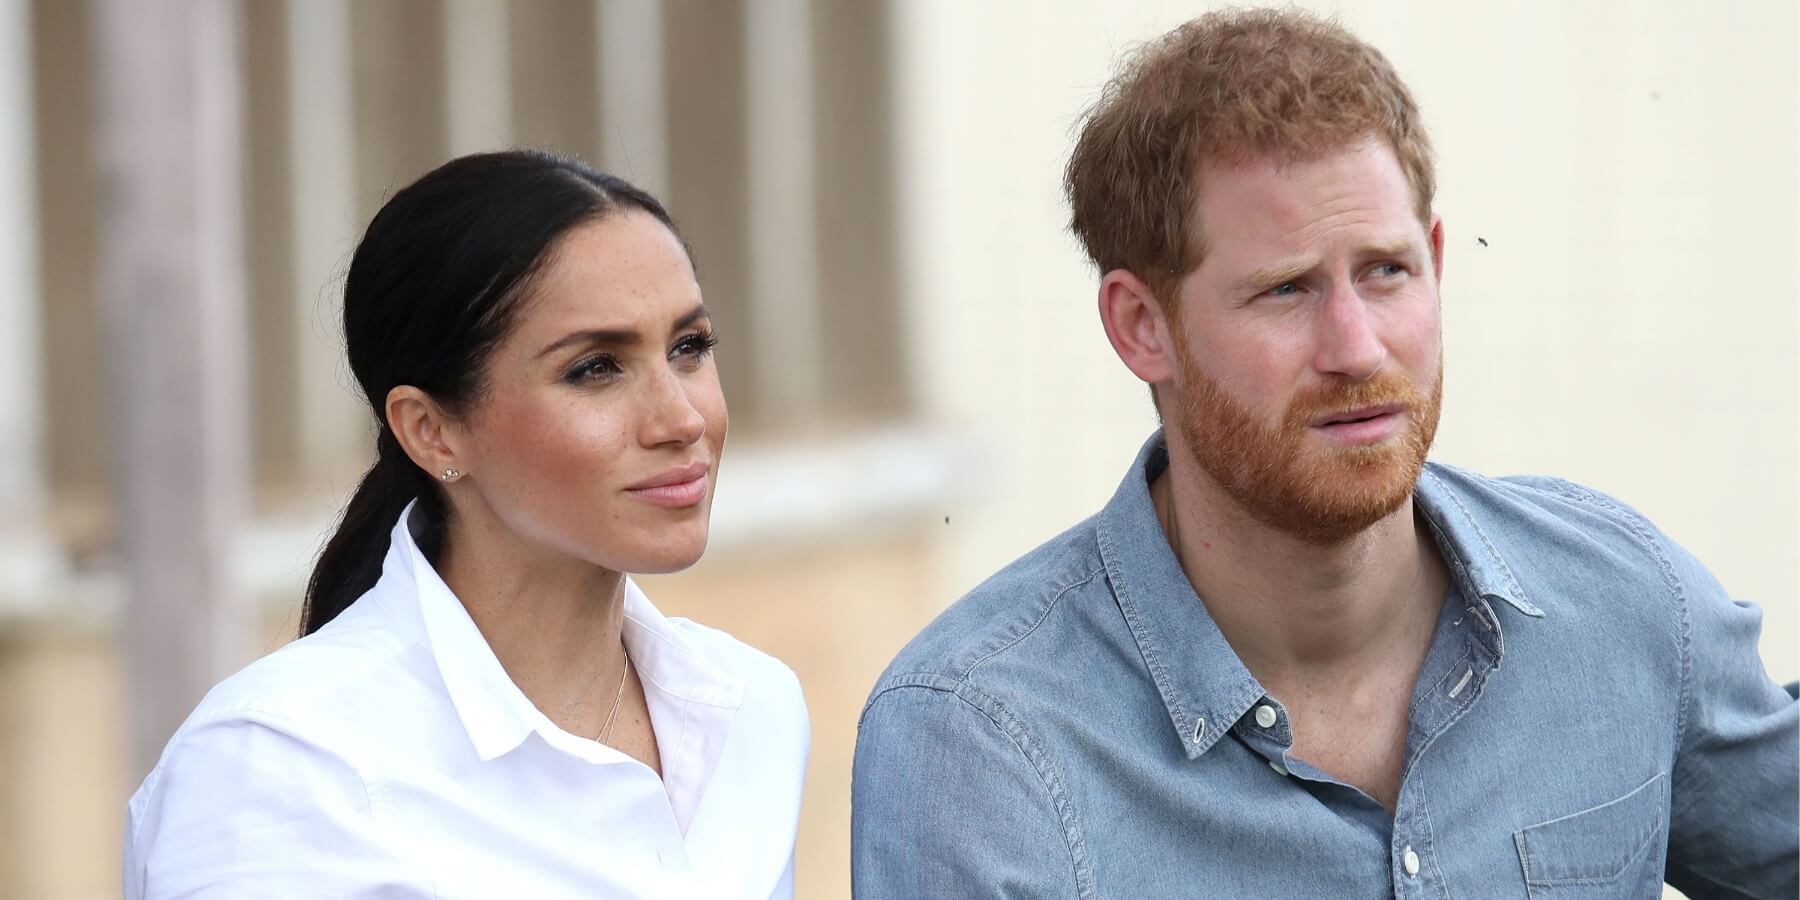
x,y
429,436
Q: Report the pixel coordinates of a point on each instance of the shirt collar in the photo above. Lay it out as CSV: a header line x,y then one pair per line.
x,y
499,717
1203,683
1467,548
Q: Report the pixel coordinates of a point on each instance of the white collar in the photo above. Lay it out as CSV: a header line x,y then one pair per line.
x,y
692,699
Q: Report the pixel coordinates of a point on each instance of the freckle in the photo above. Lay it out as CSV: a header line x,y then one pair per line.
x,y
1206,544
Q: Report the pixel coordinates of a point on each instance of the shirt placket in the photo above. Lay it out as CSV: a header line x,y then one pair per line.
x,y
1444,695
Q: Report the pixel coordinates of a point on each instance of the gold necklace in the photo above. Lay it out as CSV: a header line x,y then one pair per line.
x,y
624,672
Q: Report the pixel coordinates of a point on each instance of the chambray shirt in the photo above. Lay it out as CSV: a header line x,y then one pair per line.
x,y
1592,718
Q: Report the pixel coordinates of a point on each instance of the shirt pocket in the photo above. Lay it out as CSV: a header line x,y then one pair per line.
x,y
1610,850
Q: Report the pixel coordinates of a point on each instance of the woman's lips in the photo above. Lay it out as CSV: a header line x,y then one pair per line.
x,y
678,487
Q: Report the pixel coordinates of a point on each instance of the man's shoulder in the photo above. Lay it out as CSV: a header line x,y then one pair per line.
x,y
1530,500
997,620
1545,524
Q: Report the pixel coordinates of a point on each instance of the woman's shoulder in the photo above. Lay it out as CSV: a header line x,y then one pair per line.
x,y
322,680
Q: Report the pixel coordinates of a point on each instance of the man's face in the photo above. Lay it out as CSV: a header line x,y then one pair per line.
x,y
1307,343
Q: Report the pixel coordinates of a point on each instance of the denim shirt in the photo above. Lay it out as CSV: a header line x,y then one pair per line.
x,y
1592,718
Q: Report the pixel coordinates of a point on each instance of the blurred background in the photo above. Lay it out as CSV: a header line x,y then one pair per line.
x,y
919,385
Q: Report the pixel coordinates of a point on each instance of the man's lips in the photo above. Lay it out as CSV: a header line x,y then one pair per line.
x,y
1363,426
676,487
1361,414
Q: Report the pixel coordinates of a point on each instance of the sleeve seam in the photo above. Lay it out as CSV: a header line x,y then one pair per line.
x,y
1019,737
1640,528
292,730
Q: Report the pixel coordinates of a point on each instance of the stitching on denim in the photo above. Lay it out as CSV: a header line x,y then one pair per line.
x,y
1524,862
898,680
1485,542
1443,886
1008,643
1466,661
1548,879
1459,567
1146,644
1641,529
1045,769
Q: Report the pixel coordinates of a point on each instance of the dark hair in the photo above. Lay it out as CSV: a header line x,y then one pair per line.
x,y
435,285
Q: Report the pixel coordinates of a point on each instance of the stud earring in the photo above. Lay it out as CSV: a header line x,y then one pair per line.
x,y
450,474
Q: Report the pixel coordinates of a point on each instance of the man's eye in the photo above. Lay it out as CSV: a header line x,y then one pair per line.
x,y
1284,289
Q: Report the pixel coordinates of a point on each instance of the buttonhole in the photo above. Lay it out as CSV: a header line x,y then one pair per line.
x,y
1462,682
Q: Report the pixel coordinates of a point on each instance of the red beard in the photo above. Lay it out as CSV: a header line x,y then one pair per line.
x,y
1290,479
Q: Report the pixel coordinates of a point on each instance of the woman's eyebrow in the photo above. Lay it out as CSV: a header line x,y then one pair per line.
x,y
618,337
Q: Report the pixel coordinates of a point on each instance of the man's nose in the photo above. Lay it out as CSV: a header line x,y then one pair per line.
x,y
1346,343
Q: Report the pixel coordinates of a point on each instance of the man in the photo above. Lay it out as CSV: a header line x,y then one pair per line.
x,y
1290,658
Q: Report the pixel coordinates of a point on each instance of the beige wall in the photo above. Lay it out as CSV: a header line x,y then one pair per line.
x,y
1632,322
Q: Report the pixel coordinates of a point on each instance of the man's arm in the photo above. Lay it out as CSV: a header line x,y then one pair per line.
x,y
947,802
1734,828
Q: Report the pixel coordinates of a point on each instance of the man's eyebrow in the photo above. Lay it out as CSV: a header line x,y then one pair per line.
x,y
619,337
1397,247
1280,273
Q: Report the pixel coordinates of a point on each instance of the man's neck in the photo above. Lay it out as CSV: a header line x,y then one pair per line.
x,y
1296,612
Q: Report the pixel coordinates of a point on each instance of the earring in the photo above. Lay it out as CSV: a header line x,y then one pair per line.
x,y
450,474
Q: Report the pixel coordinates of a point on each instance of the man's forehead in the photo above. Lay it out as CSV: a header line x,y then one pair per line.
x,y
1283,199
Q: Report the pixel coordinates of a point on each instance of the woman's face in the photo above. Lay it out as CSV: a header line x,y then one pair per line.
x,y
599,433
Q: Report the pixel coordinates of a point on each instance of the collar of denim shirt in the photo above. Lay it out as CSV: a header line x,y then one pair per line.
x,y
1200,678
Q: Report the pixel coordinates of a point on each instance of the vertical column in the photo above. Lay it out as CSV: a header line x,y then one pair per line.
x,y
634,116
169,146
784,265
26,554
477,76
333,432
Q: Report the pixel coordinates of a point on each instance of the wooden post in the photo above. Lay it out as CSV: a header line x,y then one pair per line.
x,y
169,150
27,556
634,113
784,242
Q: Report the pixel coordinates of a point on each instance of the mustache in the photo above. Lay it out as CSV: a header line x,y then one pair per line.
x,y
1382,389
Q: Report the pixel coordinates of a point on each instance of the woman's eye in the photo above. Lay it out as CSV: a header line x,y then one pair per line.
x,y
694,346
590,370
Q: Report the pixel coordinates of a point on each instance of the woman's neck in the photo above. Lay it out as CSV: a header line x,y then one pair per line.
x,y
555,622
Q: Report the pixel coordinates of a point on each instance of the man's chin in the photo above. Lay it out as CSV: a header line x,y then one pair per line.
x,y
1340,497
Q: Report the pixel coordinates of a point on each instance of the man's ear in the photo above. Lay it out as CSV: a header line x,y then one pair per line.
x,y
1137,327
1437,247
429,436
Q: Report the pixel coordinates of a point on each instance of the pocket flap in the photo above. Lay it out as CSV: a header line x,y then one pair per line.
x,y
1596,844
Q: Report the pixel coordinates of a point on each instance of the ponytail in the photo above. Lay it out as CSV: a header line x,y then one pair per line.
x,y
350,564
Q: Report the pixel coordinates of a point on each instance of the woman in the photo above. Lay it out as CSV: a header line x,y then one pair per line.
x,y
482,703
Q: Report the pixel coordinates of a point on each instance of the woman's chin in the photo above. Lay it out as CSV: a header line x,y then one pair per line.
x,y
667,559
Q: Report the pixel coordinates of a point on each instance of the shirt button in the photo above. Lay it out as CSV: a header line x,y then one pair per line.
x,y
1411,861
1278,767
1265,716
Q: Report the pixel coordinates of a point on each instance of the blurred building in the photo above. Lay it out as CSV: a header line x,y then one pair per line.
x,y
919,386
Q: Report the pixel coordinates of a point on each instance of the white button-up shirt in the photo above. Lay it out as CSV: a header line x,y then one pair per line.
x,y
389,755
